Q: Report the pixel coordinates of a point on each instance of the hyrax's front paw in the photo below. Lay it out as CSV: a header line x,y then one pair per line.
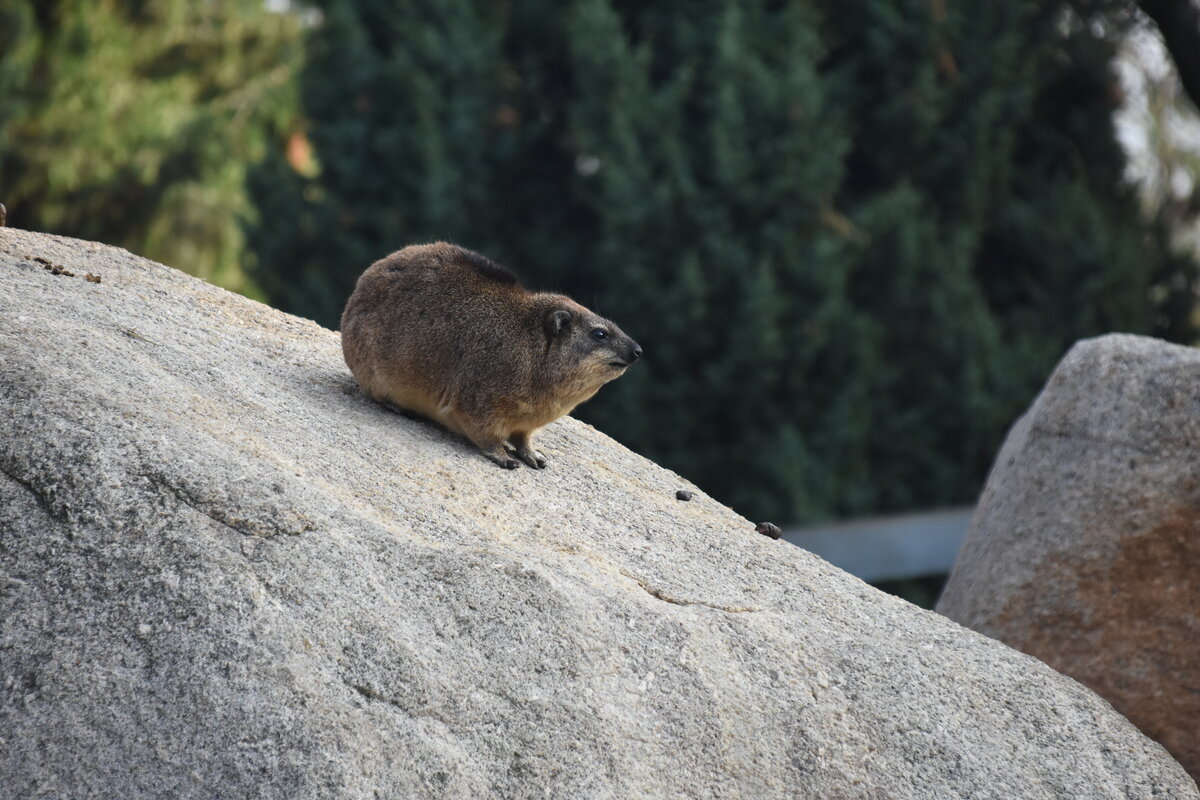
x,y
532,457
525,452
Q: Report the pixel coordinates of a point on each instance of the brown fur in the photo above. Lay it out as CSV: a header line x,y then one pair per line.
x,y
444,332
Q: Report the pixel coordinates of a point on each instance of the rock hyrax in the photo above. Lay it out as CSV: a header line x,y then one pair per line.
x,y
441,331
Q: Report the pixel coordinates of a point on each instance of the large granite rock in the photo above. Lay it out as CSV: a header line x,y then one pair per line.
x,y
225,573
1085,548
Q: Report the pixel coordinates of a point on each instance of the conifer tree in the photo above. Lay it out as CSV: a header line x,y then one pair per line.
x,y
853,237
134,123
399,96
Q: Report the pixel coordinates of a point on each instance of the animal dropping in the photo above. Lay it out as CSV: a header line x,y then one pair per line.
x,y
769,529
441,331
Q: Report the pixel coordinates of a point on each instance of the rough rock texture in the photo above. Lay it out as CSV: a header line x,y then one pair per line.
x,y
225,573
1085,548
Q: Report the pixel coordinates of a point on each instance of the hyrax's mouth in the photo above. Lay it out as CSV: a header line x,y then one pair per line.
x,y
618,364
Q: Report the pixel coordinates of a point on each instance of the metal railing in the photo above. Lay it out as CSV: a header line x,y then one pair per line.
x,y
888,548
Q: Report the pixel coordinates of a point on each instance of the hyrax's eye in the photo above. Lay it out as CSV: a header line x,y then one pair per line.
x,y
599,334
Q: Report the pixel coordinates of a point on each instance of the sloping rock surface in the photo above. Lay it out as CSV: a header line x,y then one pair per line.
x,y
1085,548
225,573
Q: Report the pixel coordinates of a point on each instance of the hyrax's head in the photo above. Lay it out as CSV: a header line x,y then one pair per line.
x,y
585,349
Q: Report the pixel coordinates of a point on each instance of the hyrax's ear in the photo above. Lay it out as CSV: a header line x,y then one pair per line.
x,y
556,321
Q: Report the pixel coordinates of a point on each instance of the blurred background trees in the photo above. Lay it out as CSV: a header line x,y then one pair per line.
x,y
135,123
852,236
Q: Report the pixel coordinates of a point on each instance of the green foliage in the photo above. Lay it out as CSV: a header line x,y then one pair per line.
x,y
715,160
133,123
853,237
387,125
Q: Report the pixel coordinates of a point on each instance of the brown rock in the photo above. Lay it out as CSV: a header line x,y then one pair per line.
x,y
1085,547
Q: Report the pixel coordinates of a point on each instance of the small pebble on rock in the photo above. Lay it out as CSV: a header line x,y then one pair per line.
x,y
769,529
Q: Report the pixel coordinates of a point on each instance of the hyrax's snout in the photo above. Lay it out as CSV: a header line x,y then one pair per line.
x,y
633,353
626,351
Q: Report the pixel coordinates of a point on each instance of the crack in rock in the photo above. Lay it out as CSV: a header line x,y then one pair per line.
x,y
39,496
243,524
371,694
666,598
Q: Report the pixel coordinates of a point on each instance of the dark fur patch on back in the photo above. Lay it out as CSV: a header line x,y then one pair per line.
x,y
486,267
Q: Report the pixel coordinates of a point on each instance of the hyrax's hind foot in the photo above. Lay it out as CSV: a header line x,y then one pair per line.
x,y
523,451
504,460
404,412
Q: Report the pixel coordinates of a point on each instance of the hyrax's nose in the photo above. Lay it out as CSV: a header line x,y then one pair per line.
x,y
636,352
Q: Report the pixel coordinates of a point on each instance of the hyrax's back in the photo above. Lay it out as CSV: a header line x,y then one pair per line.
x,y
414,329
444,332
